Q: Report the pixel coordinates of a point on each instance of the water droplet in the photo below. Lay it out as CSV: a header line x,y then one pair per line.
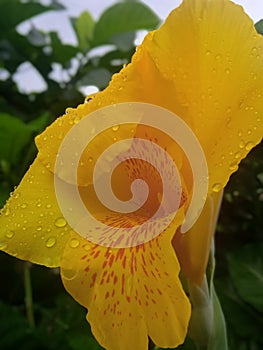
x,y
88,99
48,206
39,228
77,120
208,53
90,159
74,243
14,253
249,132
217,187
69,110
233,166
218,57
69,274
16,195
87,247
51,241
3,245
60,222
10,234
6,211
115,127
227,70
39,205
242,144
249,146
237,155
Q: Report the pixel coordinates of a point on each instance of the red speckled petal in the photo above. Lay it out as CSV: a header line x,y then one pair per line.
x,y
130,292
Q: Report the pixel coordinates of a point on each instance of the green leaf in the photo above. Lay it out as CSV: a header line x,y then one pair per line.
x,y
122,18
246,266
242,320
13,12
259,26
124,41
14,331
218,338
38,124
14,136
83,26
99,77
62,53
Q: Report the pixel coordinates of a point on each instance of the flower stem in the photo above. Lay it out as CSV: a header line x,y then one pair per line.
x,y
28,295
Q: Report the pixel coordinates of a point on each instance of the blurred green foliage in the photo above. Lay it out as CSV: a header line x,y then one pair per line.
x,y
59,320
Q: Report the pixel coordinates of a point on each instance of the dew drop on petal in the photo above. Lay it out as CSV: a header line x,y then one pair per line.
x,y
60,222
51,241
233,166
39,228
69,274
77,120
10,234
23,206
74,243
237,155
3,245
115,127
217,187
87,247
48,206
242,144
249,146
16,195
7,211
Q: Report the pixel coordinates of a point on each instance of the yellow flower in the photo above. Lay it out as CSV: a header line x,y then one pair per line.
x,y
205,65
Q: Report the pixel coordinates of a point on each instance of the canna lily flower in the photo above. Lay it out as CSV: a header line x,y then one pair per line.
x,y
205,65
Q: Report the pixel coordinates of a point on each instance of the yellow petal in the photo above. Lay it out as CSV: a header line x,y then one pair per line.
x,y
216,65
193,247
32,227
204,66
129,292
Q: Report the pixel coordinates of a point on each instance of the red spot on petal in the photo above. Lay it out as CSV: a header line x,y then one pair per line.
x,y
124,262
93,280
111,260
122,284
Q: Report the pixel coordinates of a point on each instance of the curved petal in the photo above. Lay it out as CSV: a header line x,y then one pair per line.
x,y
129,292
216,64
193,247
32,227
205,67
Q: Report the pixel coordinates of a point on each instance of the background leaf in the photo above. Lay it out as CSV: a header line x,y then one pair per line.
x,y
246,270
83,26
130,16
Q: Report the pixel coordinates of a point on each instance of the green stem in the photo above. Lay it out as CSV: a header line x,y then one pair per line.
x,y
28,295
